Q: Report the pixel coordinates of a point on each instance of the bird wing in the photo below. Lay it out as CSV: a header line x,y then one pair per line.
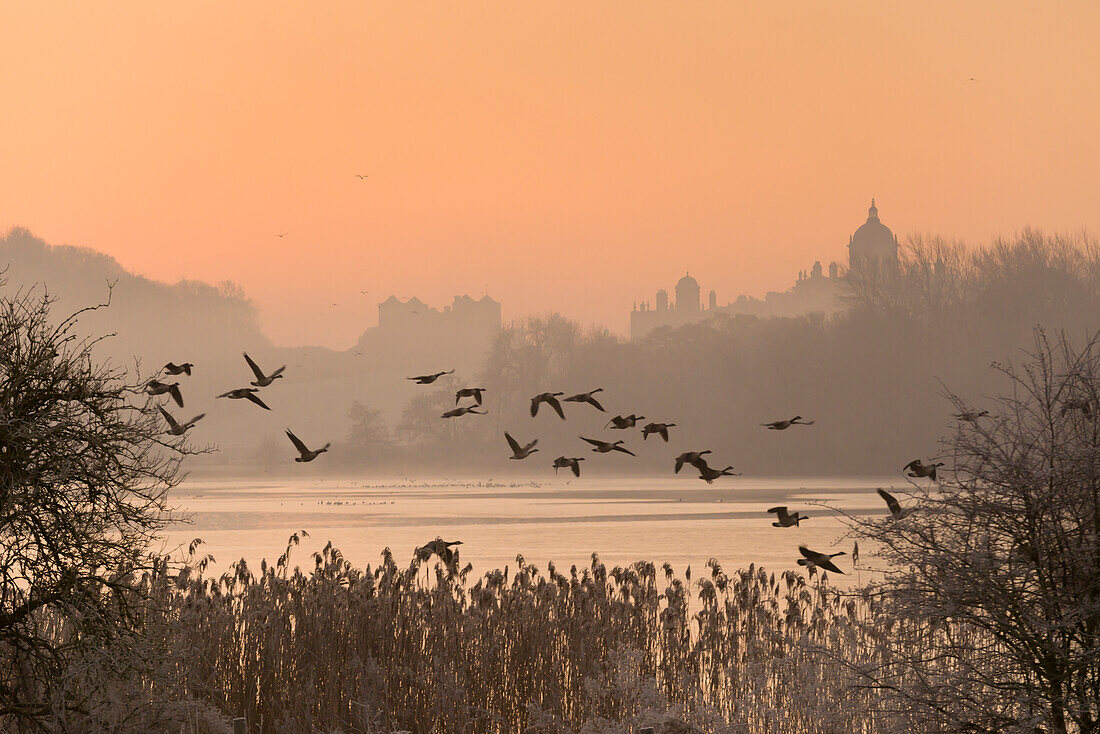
x,y
512,442
576,465
278,372
618,417
534,407
664,433
255,367
531,445
811,555
592,441
477,396
254,398
891,501
780,511
679,464
828,565
176,395
169,418
700,464
596,403
302,448
196,419
911,465
624,450
458,396
553,403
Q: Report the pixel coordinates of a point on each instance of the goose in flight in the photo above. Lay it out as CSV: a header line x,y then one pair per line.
x,y
439,547
245,393
307,454
661,429
263,380
695,458
602,447
622,422
895,507
429,379
971,416
917,469
520,452
784,519
176,369
551,399
463,411
469,392
709,474
821,560
587,397
284,234
361,176
784,425
175,428
1081,404
575,464
156,387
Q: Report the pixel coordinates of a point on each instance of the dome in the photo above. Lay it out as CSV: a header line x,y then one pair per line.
x,y
687,294
686,282
873,241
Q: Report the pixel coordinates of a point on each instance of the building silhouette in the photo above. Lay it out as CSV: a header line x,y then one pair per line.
x,y
412,335
872,245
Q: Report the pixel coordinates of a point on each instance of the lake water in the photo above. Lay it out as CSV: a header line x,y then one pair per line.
x,y
677,519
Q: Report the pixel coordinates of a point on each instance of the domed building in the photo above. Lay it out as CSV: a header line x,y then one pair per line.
x,y
687,293
873,244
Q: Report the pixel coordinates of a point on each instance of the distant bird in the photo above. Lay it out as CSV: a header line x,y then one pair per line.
x,y
709,474
820,560
520,452
624,421
176,369
602,447
429,379
307,454
284,234
575,464
245,393
1082,404
156,387
695,458
785,520
361,176
586,397
469,392
463,411
439,547
917,469
661,429
784,425
263,380
178,429
970,415
551,399
895,507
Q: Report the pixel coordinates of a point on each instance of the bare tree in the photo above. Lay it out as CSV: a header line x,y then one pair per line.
x,y
995,576
84,474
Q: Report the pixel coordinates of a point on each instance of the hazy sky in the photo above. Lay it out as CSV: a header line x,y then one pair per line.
x,y
570,156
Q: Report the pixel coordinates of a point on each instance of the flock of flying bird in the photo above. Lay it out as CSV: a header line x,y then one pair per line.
x,y
784,519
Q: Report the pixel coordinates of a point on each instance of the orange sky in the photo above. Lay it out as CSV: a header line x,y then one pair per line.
x,y
570,156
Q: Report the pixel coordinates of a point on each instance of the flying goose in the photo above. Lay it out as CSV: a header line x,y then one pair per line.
x,y
245,393
602,447
622,422
429,379
156,387
575,464
586,397
551,399
695,458
306,453
463,411
784,425
520,452
709,474
917,469
439,547
821,560
661,429
175,369
263,380
895,507
784,519
971,416
1081,404
178,429
469,392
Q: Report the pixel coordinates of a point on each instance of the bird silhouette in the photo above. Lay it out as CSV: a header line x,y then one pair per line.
x,y
245,393
661,429
284,234
784,519
520,452
896,510
438,547
586,397
562,462
263,380
429,379
307,454
709,474
177,369
361,176
1082,404
469,392
463,411
971,416
603,447
551,399
622,422
175,428
820,560
156,387
695,458
917,469
784,425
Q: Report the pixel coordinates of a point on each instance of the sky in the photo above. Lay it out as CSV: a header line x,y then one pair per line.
x,y
569,156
